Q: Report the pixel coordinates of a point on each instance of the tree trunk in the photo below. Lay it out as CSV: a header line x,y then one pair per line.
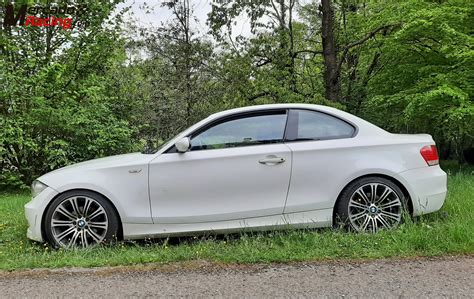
x,y
291,51
331,76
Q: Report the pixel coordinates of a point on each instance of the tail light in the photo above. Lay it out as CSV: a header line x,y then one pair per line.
x,y
430,154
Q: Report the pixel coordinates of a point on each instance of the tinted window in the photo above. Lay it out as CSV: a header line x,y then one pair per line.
x,y
311,125
251,130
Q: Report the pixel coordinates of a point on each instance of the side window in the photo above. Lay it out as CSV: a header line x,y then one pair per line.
x,y
244,131
312,125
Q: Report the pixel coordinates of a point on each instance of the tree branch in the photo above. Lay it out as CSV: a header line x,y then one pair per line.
x,y
359,42
368,36
259,95
307,51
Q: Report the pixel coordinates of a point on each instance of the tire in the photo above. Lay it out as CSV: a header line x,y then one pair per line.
x,y
357,212
80,219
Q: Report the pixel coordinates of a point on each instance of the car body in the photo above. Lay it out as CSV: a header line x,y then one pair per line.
x,y
282,175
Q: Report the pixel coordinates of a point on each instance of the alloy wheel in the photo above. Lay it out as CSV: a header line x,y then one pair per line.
x,y
374,206
79,221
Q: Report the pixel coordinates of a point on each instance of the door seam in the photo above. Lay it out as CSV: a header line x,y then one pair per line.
x,y
291,175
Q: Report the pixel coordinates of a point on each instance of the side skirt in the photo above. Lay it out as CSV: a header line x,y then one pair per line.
x,y
308,219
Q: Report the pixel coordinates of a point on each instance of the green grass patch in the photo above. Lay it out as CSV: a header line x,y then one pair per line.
x,y
450,231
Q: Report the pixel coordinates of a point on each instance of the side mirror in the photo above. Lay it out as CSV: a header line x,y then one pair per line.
x,y
183,145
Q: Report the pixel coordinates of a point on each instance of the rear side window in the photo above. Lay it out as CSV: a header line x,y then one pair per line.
x,y
313,125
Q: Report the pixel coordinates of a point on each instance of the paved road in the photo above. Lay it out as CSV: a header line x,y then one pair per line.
x,y
444,277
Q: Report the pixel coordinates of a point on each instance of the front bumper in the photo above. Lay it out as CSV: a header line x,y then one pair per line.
x,y
427,187
34,213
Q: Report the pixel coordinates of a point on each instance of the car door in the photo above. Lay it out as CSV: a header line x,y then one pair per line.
x,y
237,167
322,147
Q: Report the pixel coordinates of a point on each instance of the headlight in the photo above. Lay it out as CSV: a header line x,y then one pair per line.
x,y
36,188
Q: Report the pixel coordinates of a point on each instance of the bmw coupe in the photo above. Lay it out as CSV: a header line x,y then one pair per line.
x,y
254,168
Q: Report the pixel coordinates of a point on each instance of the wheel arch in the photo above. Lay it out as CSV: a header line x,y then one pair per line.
x,y
120,230
399,184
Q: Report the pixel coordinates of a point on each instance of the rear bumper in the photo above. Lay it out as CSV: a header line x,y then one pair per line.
x,y
34,213
427,187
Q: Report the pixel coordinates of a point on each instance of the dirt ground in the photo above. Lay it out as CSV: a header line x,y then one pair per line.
x,y
421,277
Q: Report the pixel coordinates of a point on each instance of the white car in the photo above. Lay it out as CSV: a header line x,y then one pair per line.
x,y
252,168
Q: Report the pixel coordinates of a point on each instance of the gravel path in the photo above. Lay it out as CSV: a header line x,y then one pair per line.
x,y
443,277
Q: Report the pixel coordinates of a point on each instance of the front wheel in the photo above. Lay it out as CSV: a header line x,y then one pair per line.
x,y
80,219
370,204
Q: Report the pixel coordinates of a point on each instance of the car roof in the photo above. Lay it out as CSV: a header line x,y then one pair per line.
x,y
270,107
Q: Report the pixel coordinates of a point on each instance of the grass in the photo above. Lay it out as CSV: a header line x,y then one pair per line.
x,y
450,231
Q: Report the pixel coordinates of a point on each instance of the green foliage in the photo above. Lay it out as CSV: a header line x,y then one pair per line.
x,y
106,87
55,105
426,82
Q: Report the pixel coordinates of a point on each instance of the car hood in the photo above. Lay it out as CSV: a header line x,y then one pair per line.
x,y
127,160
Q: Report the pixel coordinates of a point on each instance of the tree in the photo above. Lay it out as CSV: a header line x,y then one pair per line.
x,y
331,65
335,55
177,67
54,105
272,49
424,74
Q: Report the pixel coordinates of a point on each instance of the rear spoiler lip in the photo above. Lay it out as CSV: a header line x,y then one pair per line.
x,y
423,137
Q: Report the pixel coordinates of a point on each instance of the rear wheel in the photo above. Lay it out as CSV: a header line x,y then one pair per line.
x,y
370,204
80,219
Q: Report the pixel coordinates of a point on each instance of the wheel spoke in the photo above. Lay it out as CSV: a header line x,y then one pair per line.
x,y
362,194
96,213
75,206
384,195
358,205
374,225
384,222
390,215
388,205
93,234
65,233
365,223
73,240
84,239
87,205
56,222
373,192
87,231
61,209
358,216
102,225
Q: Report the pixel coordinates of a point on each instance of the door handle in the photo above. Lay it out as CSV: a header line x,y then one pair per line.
x,y
271,160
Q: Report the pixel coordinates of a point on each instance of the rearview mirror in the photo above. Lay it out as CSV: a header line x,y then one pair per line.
x,y
183,145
